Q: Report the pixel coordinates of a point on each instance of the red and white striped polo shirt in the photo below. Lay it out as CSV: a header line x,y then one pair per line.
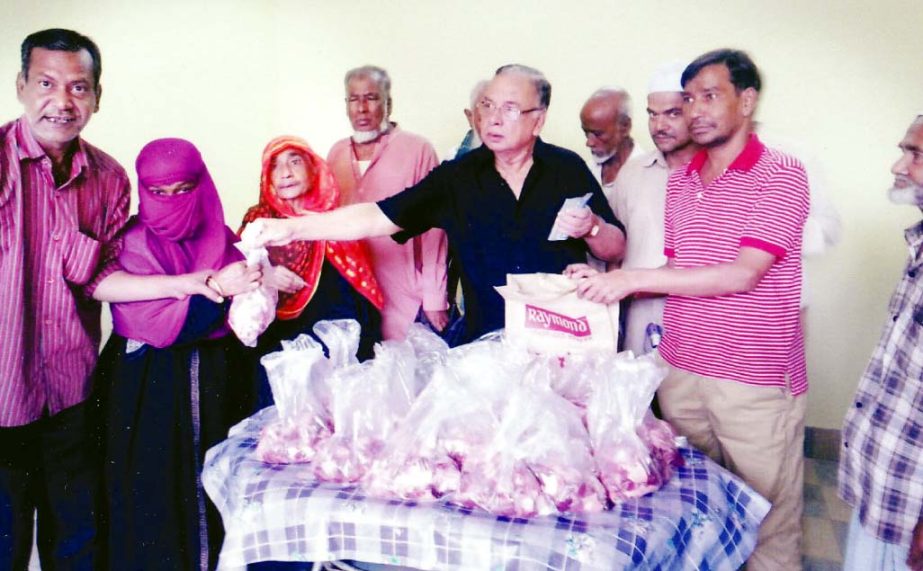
x,y
760,201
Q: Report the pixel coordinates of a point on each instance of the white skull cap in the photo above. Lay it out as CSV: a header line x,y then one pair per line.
x,y
667,78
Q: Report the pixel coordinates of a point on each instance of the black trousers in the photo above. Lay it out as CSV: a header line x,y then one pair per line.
x,y
50,466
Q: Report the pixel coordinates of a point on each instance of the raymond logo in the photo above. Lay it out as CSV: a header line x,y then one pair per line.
x,y
538,318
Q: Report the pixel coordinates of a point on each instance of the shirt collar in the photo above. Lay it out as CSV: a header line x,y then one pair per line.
x,y
655,158
745,161
540,151
914,237
29,148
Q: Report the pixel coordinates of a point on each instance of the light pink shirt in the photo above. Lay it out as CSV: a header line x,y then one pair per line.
x,y
56,245
410,274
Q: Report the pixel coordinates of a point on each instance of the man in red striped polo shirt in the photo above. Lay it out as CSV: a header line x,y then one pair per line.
x,y
733,341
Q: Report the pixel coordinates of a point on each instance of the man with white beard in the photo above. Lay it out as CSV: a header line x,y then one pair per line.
x,y
378,161
606,122
881,455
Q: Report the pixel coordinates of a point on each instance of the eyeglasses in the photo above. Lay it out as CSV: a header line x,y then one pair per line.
x,y
510,111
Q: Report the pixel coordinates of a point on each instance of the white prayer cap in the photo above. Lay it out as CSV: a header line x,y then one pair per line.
x,y
667,78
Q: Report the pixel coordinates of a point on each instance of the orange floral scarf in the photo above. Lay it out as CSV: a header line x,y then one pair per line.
x,y
306,259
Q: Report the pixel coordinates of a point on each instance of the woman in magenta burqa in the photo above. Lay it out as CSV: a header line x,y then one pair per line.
x,y
172,379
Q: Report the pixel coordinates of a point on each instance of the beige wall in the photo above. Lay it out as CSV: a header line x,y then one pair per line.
x,y
844,77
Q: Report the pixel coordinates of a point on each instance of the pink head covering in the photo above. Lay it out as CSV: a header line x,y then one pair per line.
x,y
172,234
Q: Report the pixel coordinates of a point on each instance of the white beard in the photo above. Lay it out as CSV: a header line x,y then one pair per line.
x,y
908,195
602,160
361,137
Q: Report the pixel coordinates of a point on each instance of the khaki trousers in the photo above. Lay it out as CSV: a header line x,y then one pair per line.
x,y
758,434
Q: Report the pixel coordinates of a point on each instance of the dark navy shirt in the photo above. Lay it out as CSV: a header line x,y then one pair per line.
x,y
491,233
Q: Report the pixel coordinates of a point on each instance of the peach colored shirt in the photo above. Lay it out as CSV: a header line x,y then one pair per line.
x,y
413,274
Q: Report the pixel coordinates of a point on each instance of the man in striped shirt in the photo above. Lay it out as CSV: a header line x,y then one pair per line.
x,y
63,204
733,342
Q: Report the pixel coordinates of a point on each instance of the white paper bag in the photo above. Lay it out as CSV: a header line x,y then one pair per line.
x,y
544,312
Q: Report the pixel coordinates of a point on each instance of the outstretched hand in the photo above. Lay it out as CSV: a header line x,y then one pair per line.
x,y
601,287
237,278
268,232
185,285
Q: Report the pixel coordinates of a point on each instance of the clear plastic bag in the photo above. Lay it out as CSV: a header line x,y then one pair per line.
x,y
251,312
368,400
617,409
454,416
416,464
539,461
297,376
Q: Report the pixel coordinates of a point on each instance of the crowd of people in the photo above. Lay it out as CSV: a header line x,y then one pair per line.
x,y
701,240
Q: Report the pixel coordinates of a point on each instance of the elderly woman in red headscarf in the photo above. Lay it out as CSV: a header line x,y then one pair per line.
x,y
172,378
320,279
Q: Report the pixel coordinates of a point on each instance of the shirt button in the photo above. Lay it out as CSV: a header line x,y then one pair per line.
x,y
698,195
894,317
55,236
51,280
859,404
912,274
845,444
47,322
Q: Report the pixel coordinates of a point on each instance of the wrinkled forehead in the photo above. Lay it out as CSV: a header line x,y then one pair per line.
x,y
71,63
511,87
287,153
362,84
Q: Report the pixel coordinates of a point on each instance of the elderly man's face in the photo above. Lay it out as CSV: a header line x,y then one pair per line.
x,y
908,170
666,123
59,96
499,132
365,105
604,127
714,110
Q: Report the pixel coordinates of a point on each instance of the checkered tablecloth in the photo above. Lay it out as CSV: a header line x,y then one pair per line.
x,y
704,518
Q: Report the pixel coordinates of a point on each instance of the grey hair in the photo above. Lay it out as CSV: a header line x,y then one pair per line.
x,y
477,92
542,86
376,74
624,101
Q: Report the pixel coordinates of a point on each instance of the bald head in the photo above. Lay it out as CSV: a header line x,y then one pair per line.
x,y
606,121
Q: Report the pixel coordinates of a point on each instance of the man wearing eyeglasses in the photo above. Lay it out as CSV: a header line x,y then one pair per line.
x,y
497,204
377,161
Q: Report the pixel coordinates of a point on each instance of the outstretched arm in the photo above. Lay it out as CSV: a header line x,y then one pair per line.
x,y
741,275
121,286
353,222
